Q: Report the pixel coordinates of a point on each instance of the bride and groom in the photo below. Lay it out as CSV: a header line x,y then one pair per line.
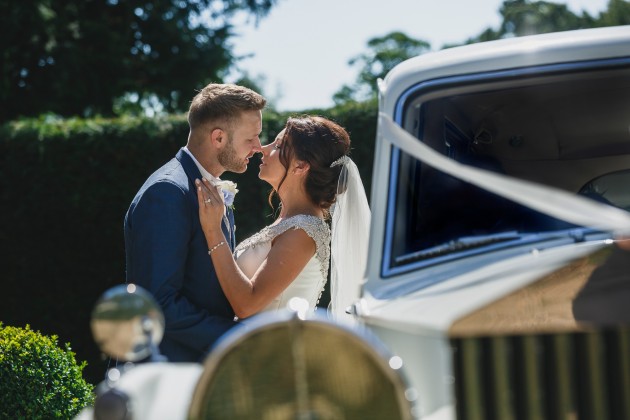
x,y
179,229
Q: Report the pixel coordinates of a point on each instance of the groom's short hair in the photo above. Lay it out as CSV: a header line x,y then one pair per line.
x,y
223,103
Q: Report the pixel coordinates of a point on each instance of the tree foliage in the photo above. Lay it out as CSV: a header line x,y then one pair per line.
x,y
383,54
526,17
519,18
617,13
81,57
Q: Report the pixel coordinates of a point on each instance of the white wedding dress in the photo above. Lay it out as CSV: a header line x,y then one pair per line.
x,y
309,284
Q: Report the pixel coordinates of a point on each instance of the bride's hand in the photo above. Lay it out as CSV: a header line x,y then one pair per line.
x,y
211,206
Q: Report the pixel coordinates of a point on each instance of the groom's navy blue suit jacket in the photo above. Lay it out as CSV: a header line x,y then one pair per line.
x,y
167,254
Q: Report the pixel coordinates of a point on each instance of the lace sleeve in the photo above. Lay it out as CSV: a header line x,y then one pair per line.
x,y
314,227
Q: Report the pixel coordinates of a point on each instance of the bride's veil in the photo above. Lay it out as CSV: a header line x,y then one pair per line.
x,y
350,234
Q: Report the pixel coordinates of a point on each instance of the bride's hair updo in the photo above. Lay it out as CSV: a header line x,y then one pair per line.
x,y
319,142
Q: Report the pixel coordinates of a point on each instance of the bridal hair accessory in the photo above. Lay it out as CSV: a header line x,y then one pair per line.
x,y
229,191
350,229
341,161
208,201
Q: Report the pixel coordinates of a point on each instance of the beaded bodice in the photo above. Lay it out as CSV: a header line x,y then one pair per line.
x,y
310,282
314,227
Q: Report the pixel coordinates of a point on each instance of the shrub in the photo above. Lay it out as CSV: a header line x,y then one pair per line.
x,y
38,379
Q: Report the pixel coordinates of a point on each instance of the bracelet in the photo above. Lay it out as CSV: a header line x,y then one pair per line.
x,y
211,250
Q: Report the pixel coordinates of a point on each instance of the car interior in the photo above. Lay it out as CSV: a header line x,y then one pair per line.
x,y
568,130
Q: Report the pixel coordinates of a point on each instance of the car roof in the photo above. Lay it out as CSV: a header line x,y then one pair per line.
x,y
505,54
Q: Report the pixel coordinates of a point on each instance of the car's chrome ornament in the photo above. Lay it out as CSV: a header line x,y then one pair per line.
x,y
127,323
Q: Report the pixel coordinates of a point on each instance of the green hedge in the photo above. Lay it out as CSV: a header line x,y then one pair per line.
x,y
39,379
65,186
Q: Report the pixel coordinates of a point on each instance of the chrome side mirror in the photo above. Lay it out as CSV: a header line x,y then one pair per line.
x,y
128,324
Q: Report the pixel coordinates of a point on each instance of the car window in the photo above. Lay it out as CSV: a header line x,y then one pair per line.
x,y
562,127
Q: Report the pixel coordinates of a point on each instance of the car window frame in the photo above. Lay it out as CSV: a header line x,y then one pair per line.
x,y
437,88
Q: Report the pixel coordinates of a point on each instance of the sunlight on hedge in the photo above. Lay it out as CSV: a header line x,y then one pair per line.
x,y
39,379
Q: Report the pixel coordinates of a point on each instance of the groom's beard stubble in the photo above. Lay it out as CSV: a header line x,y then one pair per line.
x,y
230,160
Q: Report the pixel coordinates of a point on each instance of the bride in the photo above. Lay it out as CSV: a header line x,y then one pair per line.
x,y
308,167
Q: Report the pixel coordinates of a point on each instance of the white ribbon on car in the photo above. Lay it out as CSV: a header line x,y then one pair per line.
x,y
549,200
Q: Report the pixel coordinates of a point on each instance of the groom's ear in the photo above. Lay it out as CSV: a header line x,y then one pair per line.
x,y
217,136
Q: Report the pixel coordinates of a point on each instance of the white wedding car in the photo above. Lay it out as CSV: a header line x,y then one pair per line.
x,y
497,285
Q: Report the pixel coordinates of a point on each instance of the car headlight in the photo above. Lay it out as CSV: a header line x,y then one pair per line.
x,y
284,367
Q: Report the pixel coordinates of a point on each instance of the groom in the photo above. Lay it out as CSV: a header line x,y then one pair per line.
x,y
166,251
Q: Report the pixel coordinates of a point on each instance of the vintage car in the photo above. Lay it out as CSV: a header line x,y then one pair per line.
x,y
498,276
501,178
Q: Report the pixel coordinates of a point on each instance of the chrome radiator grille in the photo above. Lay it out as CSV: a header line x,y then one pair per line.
x,y
572,376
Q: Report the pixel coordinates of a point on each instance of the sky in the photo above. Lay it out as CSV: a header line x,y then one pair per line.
x,y
300,50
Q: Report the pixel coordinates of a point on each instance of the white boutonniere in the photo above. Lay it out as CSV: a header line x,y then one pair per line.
x,y
229,191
